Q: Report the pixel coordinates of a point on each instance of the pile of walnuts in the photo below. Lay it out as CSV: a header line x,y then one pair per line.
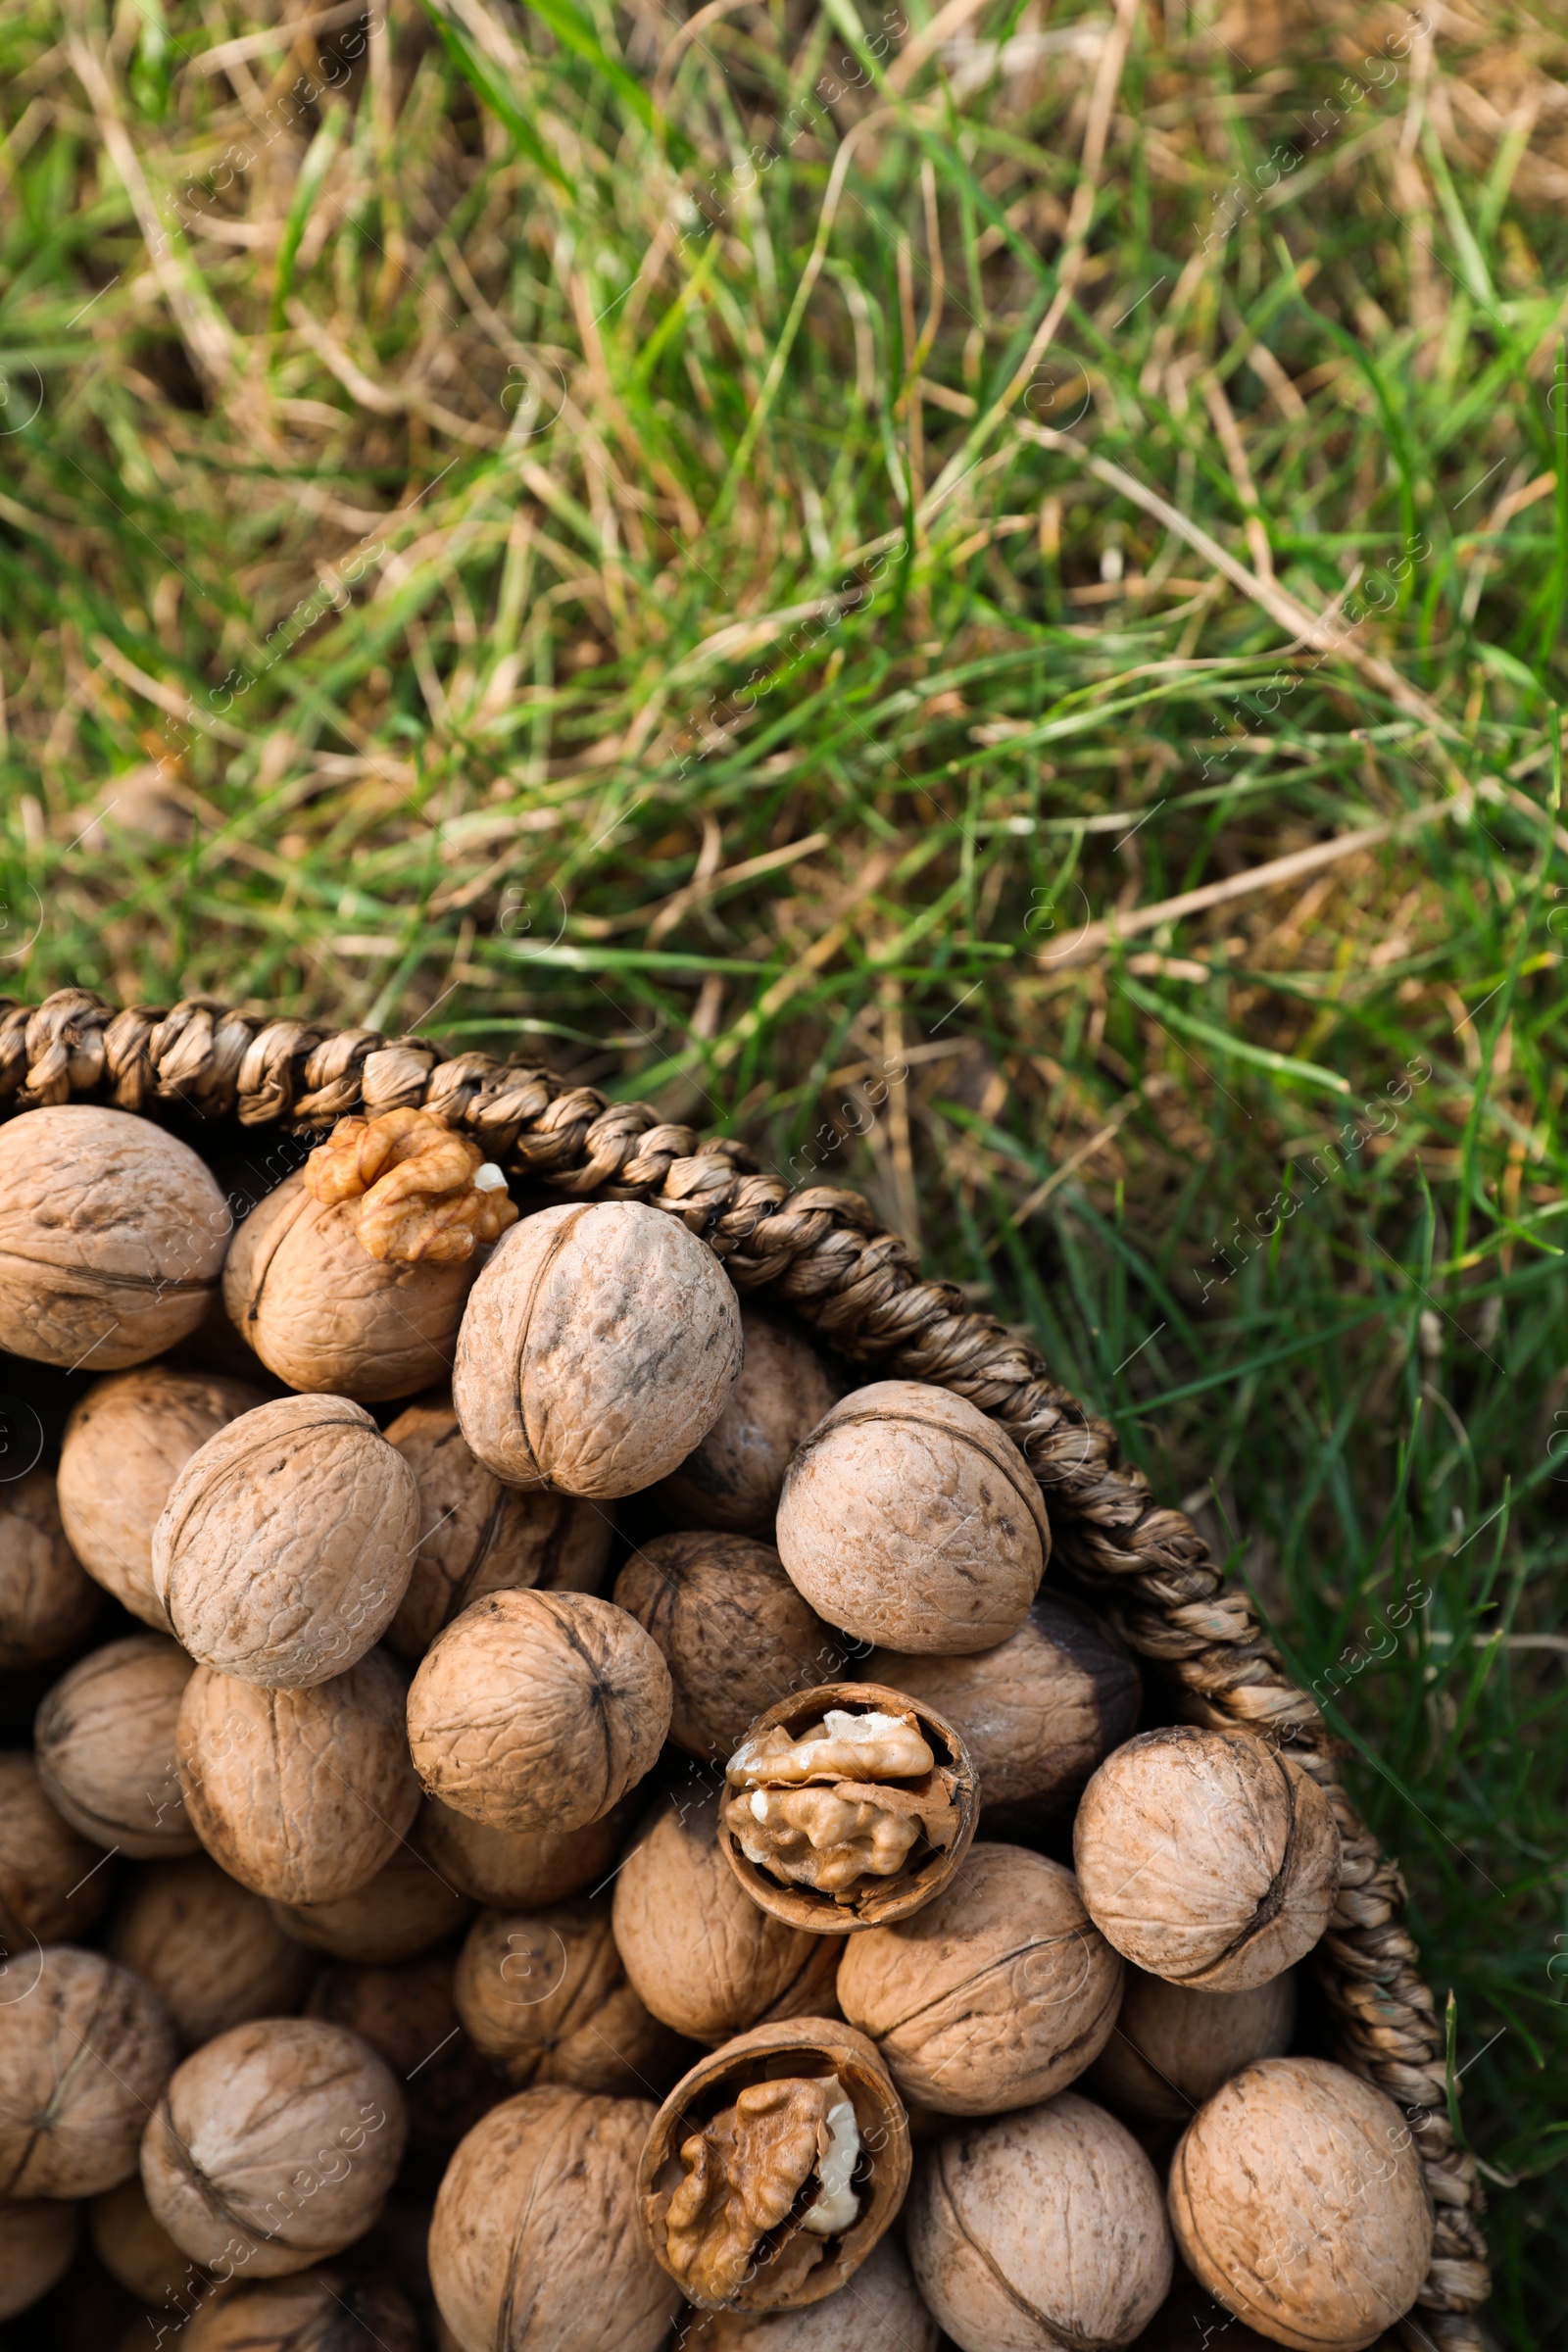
x,y
442,1908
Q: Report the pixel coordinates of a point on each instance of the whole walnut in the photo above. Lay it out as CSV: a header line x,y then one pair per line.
x,y
105,1744
700,1954
1206,1857
46,1602
410,2015
1040,2232
535,2245
38,2240
911,1520
274,2145
998,1994
477,1535
734,1632
112,1237
287,1543
137,2250
301,1795
320,2310
409,1906
538,1710
85,2048
734,1478
879,2311
53,1883
1037,1713
1173,2046
207,1947
1298,2201
544,1995
599,1348
519,1870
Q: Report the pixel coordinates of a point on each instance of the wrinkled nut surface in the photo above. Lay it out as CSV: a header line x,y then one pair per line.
x,y
911,1520
847,1807
305,1293
598,1349
321,2310
544,1993
52,1884
536,1712
112,1237
1297,2200
209,1948
422,1193
1172,2048
105,1741
301,1795
1206,1857
85,2048
477,1535
774,2167
997,1996
1040,2232
880,2312
702,1956
734,1632
125,1445
274,2145
734,1478
135,2249
38,2240
406,1909
519,1870
535,2244
409,2016
47,1603
287,1543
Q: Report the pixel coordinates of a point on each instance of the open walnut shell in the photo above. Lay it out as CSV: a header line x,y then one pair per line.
x,y
774,2167
867,1835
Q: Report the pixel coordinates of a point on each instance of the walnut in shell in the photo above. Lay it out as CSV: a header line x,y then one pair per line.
x,y
734,1478
38,2240
1206,1857
112,1237
1298,2201
879,2311
409,1906
535,2244
324,2309
409,2014
1172,2048
544,1995
774,2167
911,1520
998,1994
85,2048
105,1739
47,1604
127,1441
209,1948
477,1535
287,1543
848,1806
538,1710
274,2145
1043,2232
137,2250
519,1870
53,1883
599,1348
735,1633
301,1795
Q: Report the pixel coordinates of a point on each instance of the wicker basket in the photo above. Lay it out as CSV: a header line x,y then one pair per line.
x,y
205,1068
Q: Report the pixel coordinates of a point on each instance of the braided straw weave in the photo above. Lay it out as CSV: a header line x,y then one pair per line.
x,y
820,1252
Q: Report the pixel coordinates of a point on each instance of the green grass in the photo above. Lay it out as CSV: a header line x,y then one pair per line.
x,y
553,545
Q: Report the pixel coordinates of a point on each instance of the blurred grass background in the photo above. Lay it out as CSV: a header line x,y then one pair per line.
x,y
751,554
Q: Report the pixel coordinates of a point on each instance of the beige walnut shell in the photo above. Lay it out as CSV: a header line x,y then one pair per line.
x,y
112,1237
301,1795
1206,1857
879,2311
38,2240
998,1994
912,1521
700,1952
599,1346
53,1883
207,1947
1037,1713
535,2245
734,1478
85,2048
1040,2232
519,1870
137,2250
409,1906
734,1632
324,2309
1298,2201
127,1441
47,1603
545,1995
409,2014
303,1291
538,1710
477,1535
274,2145
287,1543
1174,2048
105,1739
